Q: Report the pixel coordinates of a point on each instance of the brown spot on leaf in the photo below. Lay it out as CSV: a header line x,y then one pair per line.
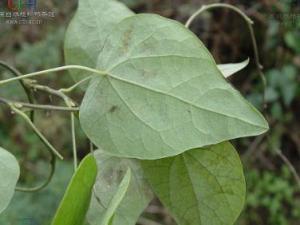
x,y
126,39
113,108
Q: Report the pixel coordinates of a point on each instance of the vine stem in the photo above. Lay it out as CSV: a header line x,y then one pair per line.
x,y
36,130
16,106
37,106
57,69
217,5
252,35
69,89
31,105
51,91
290,166
70,105
49,178
74,146
28,93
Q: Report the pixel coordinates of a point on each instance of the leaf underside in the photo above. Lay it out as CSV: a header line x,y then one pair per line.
x,y
9,175
162,94
202,186
137,197
88,30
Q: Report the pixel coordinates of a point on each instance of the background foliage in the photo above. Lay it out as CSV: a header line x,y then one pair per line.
x,y
273,195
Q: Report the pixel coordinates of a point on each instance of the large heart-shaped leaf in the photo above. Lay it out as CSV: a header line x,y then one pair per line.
x,y
9,175
88,30
200,186
162,93
75,203
137,197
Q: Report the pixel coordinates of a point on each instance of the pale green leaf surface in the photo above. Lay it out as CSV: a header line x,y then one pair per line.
x,y
88,30
116,200
163,94
9,175
203,186
231,68
75,203
136,199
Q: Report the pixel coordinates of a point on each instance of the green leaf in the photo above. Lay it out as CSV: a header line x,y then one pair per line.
x,y
9,175
201,186
291,38
116,200
39,206
137,197
76,201
88,30
163,94
231,68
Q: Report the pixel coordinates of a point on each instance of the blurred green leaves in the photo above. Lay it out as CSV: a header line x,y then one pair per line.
x,y
271,198
282,83
43,54
282,89
292,39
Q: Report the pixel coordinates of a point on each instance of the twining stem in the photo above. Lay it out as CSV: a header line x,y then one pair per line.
x,y
51,91
36,130
30,105
16,106
37,106
217,5
70,105
252,35
74,146
49,178
28,93
57,69
67,90
290,166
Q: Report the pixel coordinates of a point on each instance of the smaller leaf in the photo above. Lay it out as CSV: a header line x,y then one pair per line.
x,y
9,175
76,201
116,200
231,68
203,186
111,171
82,49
